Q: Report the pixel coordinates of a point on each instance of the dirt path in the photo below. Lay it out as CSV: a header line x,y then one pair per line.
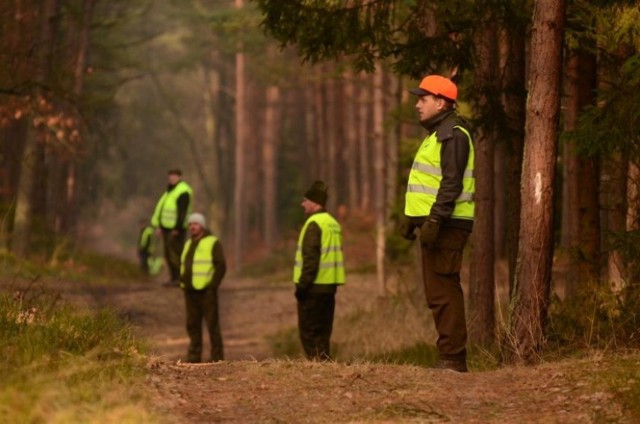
x,y
249,310
251,387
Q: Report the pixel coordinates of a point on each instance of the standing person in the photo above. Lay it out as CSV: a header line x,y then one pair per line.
x,y
145,246
170,215
439,201
201,271
317,273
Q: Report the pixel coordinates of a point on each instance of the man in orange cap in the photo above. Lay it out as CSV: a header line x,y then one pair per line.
x,y
439,201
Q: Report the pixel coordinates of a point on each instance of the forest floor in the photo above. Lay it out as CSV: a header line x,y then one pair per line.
x,y
251,386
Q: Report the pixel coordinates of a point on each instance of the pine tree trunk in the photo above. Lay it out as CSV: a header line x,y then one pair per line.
x,y
378,175
482,285
270,163
530,302
364,132
31,195
513,138
582,182
239,212
351,135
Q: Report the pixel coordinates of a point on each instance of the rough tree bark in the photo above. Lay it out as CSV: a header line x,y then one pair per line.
x,y
582,180
482,285
529,305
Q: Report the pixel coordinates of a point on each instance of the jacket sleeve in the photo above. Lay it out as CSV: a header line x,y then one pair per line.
x,y
311,246
183,207
145,241
453,160
219,263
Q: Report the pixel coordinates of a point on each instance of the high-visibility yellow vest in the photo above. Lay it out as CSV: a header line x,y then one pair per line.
x,y
331,265
146,239
426,175
202,269
166,211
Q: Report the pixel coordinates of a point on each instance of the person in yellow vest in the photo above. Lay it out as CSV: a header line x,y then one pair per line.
x,y
170,216
202,268
317,273
145,246
439,201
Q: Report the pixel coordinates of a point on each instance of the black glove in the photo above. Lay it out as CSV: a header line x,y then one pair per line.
x,y
429,231
301,294
407,230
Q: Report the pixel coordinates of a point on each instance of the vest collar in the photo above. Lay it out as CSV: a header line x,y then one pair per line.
x,y
431,124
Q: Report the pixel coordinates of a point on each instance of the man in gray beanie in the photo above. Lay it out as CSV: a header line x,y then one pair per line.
x,y
317,273
202,268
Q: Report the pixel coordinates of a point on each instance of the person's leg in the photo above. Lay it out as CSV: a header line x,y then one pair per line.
x,y
176,244
441,276
313,313
144,262
325,319
213,324
194,313
166,249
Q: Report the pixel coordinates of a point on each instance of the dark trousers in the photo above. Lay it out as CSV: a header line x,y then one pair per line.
x,y
173,244
441,277
144,261
203,305
315,323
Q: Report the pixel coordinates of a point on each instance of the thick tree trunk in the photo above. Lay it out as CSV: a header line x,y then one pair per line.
x,y
513,138
31,210
582,180
482,285
533,274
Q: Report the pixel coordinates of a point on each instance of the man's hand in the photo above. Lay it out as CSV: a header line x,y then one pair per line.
x,y
407,230
429,232
301,294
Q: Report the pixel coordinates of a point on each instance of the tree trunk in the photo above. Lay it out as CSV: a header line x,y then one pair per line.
x,y
269,151
351,135
319,159
530,302
378,175
582,183
363,139
239,212
482,284
613,192
31,195
69,215
513,138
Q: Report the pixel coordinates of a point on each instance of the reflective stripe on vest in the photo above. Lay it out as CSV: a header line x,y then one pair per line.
x,y
166,211
331,266
202,269
426,175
